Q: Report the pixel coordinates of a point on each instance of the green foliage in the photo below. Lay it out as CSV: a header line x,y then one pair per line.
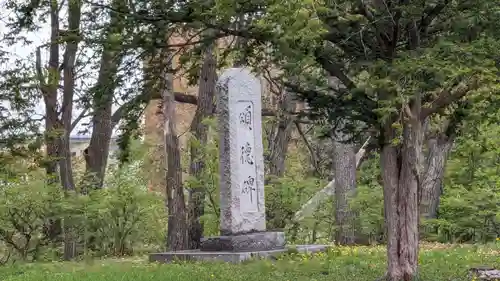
x,y
285,196
374,51
467,216
469,209
122,219
209,178
468,212
26,206
438,262
368,202
306,41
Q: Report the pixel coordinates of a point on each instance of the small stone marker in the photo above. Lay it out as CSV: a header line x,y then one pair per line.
x,y
241,165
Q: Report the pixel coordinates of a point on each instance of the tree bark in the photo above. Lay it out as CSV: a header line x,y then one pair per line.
x,y
96,154
279,141
400,173
308,208
177,234
69,59
390,173
344,162
57,128
207,80
65,163
439,148
49,88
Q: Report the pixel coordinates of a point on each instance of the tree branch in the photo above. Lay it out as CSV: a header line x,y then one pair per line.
x,y
447,97
334,69
179,97
82,115
178,17
430,14
381,34
38,66
309,147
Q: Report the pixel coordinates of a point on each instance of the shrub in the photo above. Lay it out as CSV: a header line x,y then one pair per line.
x,y
123,217
467,216
26,207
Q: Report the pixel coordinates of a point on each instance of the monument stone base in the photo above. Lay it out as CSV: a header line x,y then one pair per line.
x,y
256,241
233,257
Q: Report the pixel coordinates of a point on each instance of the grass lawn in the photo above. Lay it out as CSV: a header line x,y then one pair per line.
x,y
437,262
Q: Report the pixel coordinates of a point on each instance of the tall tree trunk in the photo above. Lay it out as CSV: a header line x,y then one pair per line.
x,y
177,234
279,141
207,80
49,87
400,173
65,164
439,148
389,159
344,162
58,128
96,154
69,59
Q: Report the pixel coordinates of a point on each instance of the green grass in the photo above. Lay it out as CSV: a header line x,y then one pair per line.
x,y
437,262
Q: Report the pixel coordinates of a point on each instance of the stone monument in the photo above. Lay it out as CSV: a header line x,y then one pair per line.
x,y
243,217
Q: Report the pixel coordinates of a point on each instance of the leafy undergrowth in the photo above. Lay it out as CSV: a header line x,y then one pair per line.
x,y
437,262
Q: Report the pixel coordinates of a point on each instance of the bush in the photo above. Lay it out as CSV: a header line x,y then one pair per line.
x,y
26,207
121,219
467,216
469,210
284,197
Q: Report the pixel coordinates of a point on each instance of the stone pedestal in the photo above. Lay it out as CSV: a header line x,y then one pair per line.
x,y
260,241
233,257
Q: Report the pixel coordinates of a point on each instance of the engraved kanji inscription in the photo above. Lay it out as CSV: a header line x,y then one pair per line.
x,y
246,117
245,149
246,155
249,187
